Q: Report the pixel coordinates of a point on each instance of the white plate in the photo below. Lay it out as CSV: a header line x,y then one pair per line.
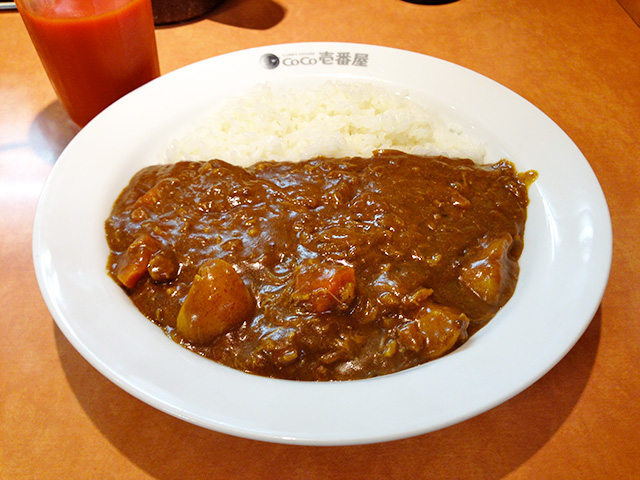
x,y
564,267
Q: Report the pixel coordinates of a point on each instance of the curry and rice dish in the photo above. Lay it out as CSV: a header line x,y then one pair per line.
x,y
325,262
324,269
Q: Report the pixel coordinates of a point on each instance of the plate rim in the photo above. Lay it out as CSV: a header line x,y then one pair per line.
x,y
273,435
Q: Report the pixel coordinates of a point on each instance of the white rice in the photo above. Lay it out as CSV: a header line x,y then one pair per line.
x,y
337,119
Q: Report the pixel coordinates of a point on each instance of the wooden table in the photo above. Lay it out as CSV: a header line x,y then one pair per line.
x,y
577,61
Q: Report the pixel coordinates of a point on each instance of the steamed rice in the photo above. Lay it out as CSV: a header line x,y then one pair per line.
x,y
337,119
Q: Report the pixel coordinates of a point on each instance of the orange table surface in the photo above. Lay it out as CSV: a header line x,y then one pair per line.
x,y
579,62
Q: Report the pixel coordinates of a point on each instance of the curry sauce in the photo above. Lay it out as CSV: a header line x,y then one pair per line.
x,y
326,269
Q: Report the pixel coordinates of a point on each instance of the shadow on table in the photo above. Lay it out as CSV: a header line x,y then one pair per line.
x,y
488,446
51,132
247,14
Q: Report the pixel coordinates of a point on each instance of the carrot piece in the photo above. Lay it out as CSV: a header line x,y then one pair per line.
x,y
325,287
155,194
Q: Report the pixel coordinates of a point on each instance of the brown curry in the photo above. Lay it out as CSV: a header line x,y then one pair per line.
x,y
327,269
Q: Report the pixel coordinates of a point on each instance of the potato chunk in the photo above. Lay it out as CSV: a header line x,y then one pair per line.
x,y
488,272
218,301
435,330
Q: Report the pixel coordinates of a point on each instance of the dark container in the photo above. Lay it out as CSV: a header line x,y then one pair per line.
x,y
174,11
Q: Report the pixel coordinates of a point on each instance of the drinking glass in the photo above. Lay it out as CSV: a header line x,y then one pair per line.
x,y
94,51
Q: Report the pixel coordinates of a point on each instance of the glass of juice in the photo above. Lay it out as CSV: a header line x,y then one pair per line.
x,y
94,51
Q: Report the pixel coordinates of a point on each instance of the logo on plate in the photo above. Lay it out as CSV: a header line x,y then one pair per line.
x,y
298,59
270,61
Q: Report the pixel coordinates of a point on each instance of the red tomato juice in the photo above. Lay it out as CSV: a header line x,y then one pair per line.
x,y
93,56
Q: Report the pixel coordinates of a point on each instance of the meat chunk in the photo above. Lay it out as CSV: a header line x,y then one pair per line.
x,y
146,255
163,266
132,265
